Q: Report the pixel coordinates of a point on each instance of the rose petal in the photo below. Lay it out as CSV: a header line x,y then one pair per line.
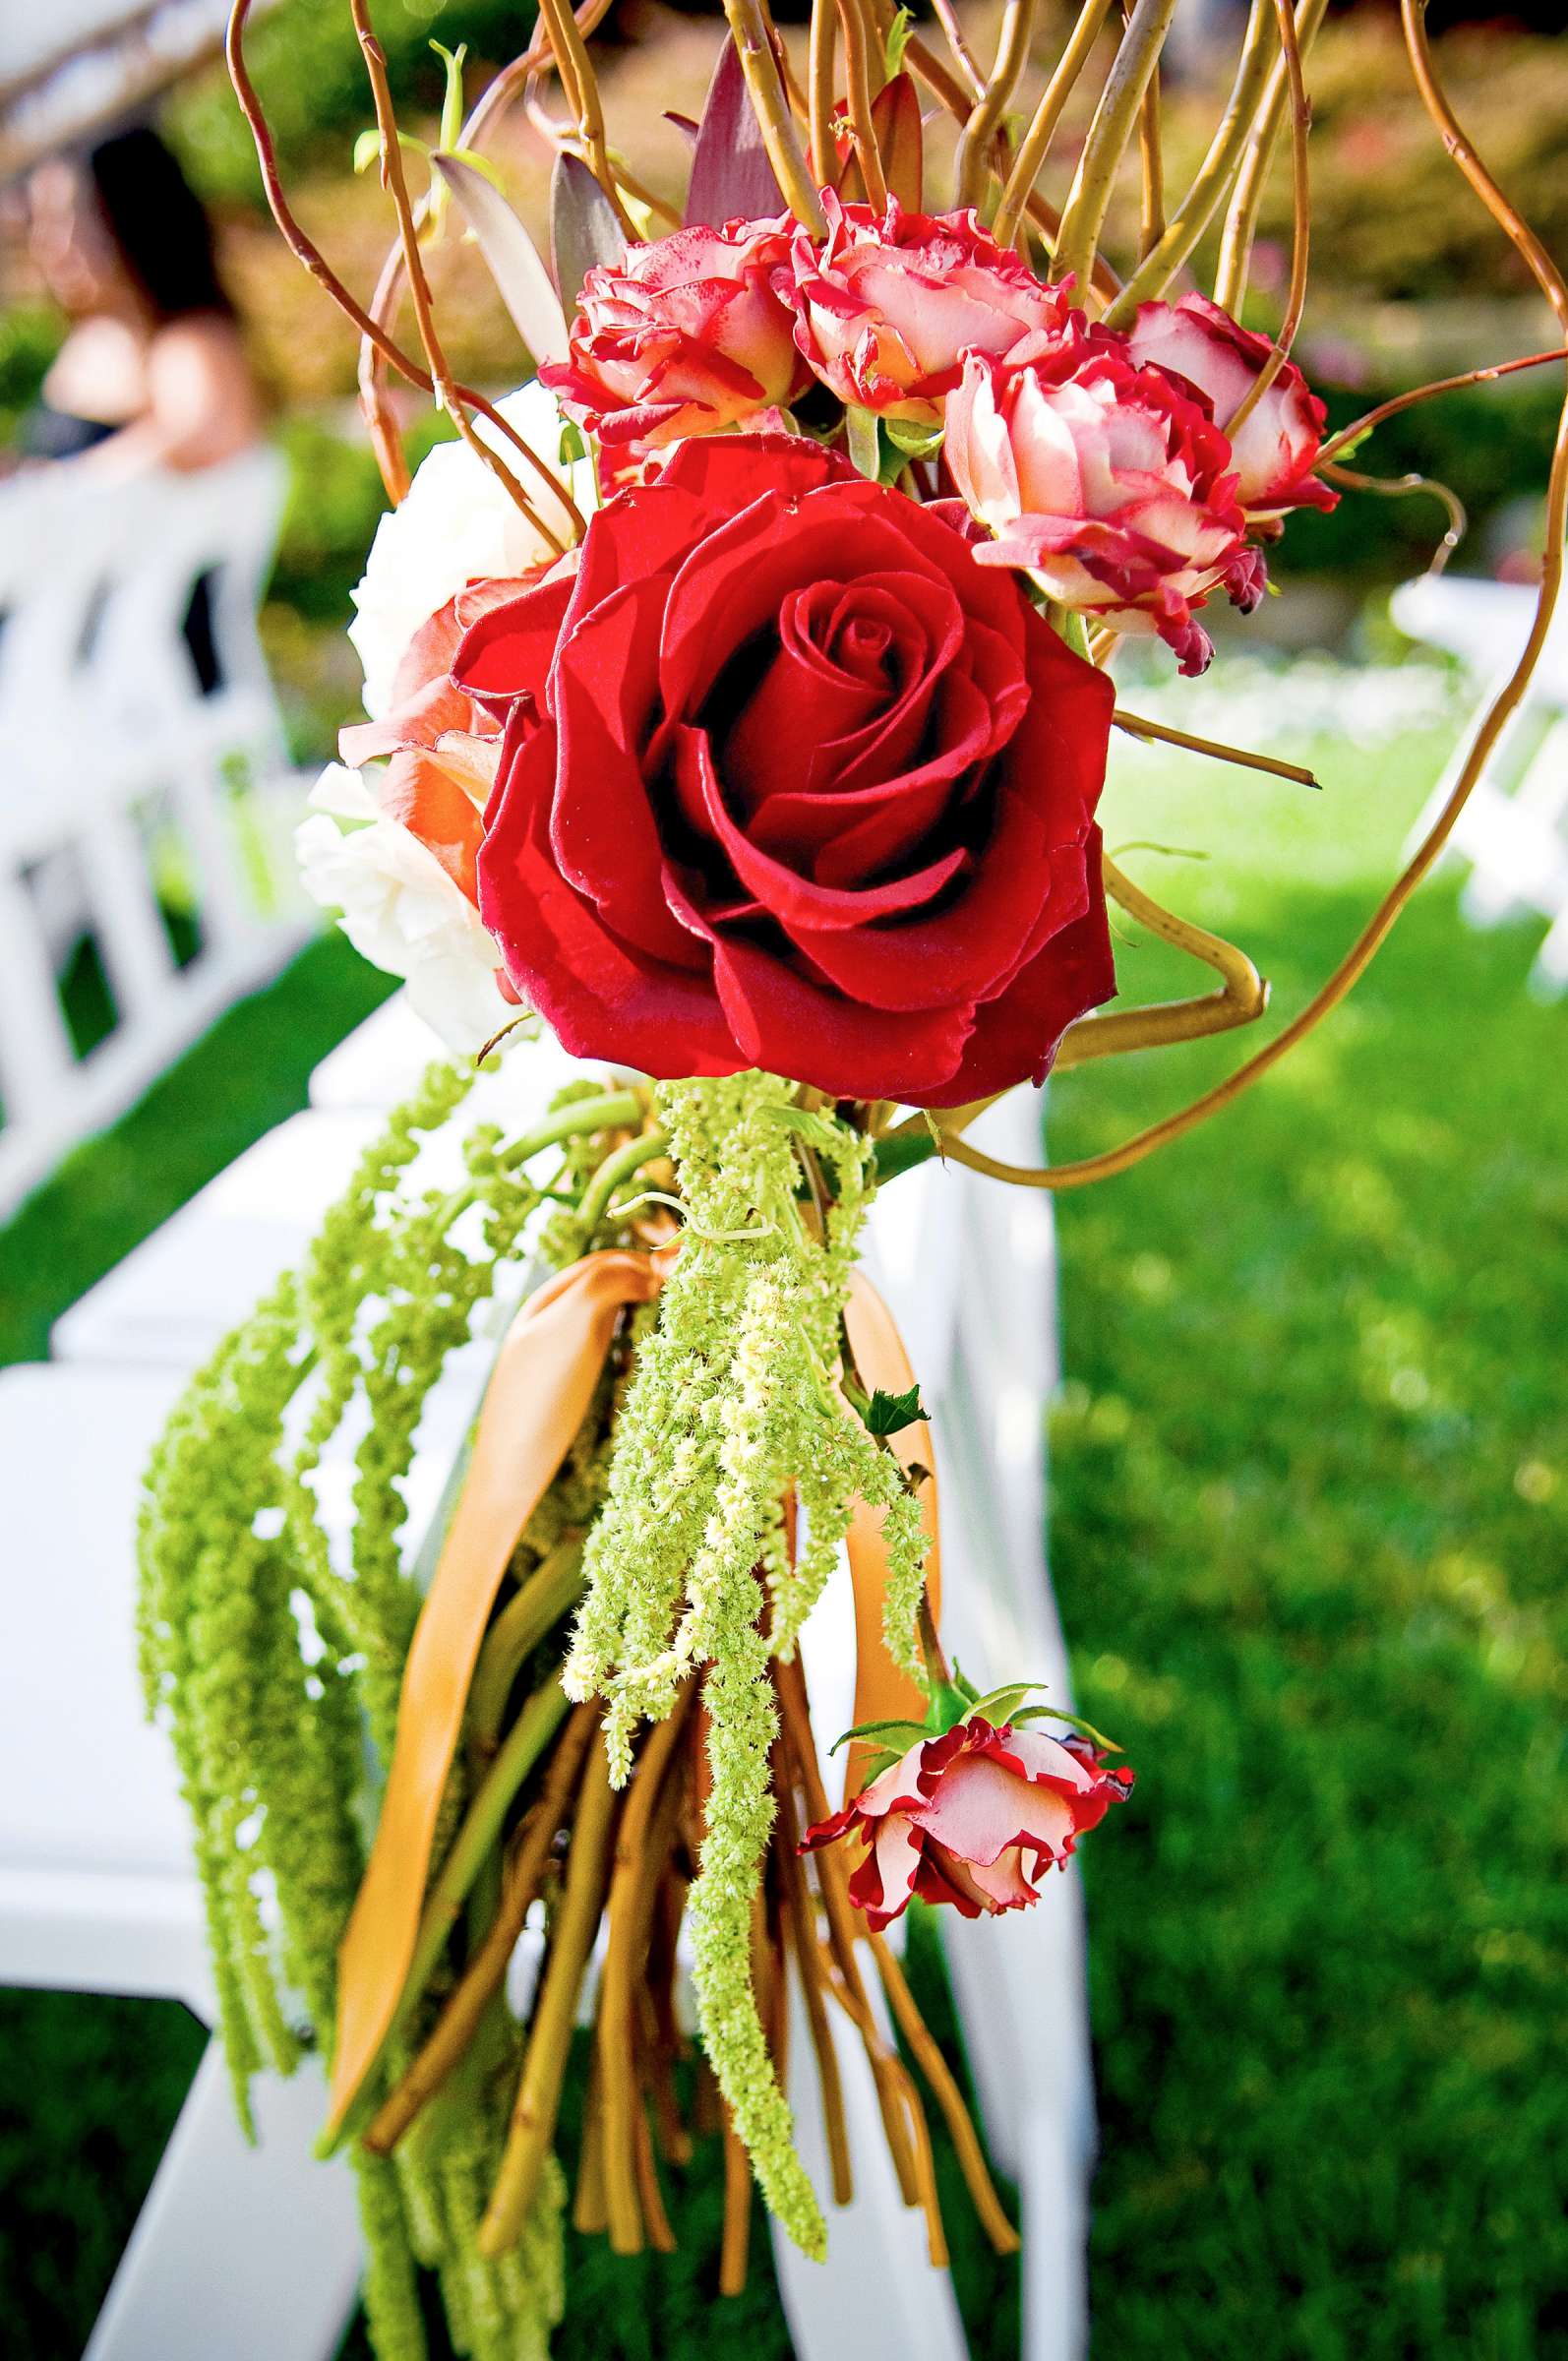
x,y
603,829
600,999
781,1017
979,1807
795,901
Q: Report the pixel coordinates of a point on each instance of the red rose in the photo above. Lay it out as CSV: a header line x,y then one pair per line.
x,y
1276,451
788,780
1106,482
682,338
973,1818
888,305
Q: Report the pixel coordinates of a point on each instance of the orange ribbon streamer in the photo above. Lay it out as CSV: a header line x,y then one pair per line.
x,y
883,1692
538,1396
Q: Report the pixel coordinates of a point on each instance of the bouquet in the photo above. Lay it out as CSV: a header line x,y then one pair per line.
x,y
739,705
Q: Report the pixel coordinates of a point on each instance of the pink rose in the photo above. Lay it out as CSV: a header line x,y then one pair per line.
x,y
1106,482
683,337
1276,448
888,307
974,1818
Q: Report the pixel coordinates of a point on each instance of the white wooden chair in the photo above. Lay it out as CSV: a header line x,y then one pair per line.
x,y
1514,830
981,1326
109,753
251,2254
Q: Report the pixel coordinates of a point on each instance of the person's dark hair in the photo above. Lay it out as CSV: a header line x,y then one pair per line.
x,y
158,225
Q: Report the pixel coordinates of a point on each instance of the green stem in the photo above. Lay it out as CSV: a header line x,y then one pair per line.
x,y
617,1166
1114,122
611,1111
971,161
751,27
521,1625
895,1154
1241,224
1214,176
481,1830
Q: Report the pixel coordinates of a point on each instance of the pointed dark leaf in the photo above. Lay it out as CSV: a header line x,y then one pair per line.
x,y
895,119
731,176
513,260
890,1414
584,229
683,124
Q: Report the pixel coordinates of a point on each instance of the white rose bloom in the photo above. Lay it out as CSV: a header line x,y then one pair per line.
x,y
457,525
401,911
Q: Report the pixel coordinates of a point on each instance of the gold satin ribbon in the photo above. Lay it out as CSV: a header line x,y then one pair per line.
x,y
538,1396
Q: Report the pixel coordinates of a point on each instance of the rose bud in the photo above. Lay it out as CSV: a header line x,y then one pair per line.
x,y
1107,483
889,305
1276,450
974,1818
683,337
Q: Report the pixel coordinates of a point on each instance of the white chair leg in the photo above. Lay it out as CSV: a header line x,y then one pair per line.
x,y
240,2254
1055,2236
877,2293
1549,978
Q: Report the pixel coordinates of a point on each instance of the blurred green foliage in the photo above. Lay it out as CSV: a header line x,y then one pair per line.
x,y
305,61
1491,444
30,337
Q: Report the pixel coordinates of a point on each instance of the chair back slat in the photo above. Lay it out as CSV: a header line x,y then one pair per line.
x,y
114,752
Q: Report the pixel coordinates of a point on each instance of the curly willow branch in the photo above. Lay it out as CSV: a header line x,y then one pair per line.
x,y
513,79
1493,723
1301,220
1035,141
1012,55
305,251
1240,222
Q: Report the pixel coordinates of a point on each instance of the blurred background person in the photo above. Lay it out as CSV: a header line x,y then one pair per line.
x,y
154,371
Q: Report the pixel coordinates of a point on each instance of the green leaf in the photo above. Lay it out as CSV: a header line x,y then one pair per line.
x,y
890,1414
481,164
895,1155
865,443
572,447
452,98
367,148
898,33
912,438
1060,1713
1001,1705
910,1730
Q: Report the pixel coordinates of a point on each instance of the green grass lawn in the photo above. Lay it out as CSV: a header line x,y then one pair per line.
x,y
1310,1530
1310,1510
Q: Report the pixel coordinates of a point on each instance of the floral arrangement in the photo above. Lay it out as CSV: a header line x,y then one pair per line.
x,y
738,707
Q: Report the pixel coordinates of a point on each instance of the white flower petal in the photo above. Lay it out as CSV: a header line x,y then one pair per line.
x,y
402,912
458,525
